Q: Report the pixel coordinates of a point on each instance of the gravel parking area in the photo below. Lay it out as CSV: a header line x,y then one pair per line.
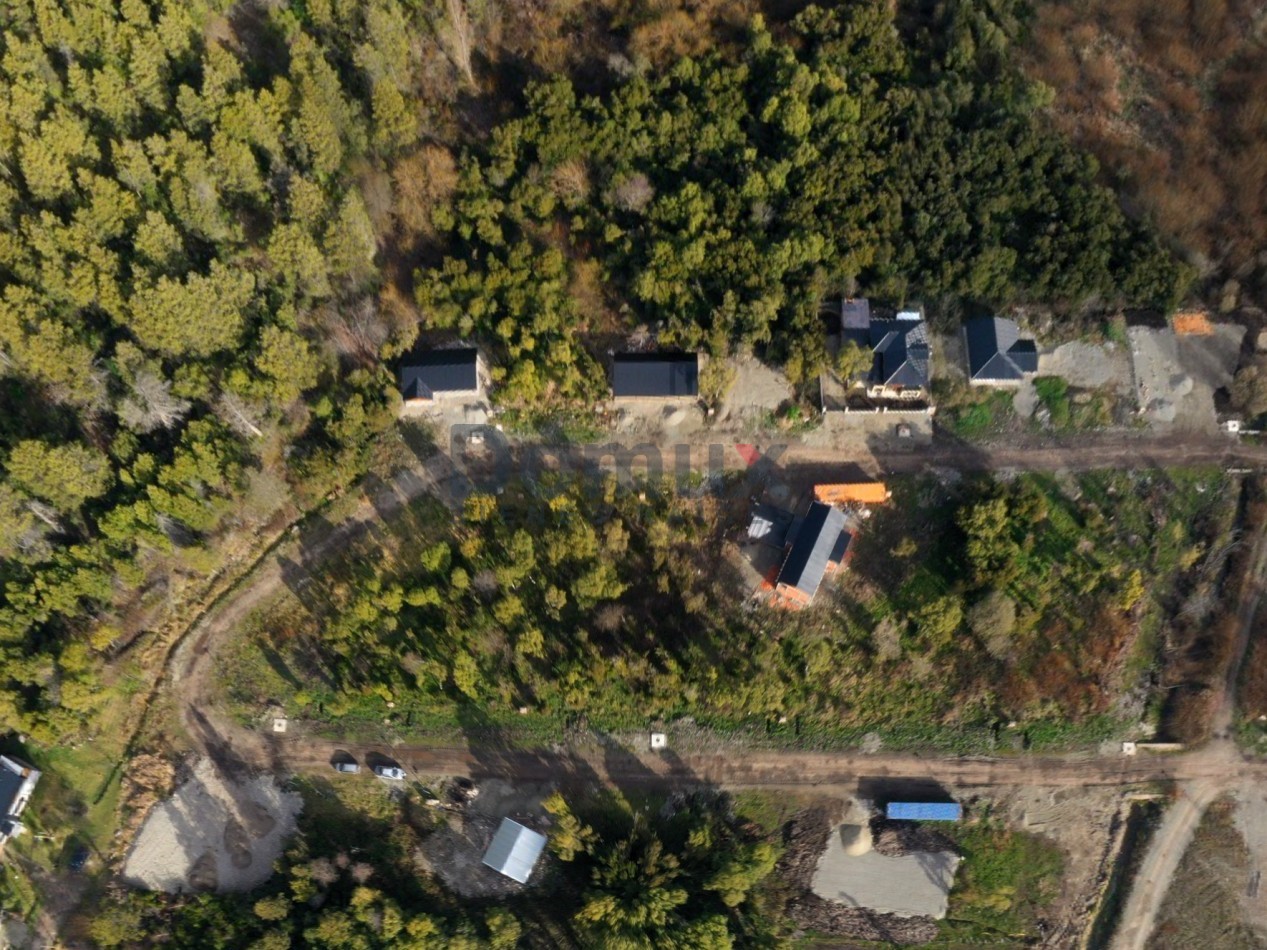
x,y
213,834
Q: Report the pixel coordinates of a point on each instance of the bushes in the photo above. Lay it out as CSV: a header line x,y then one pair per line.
x,y
567,598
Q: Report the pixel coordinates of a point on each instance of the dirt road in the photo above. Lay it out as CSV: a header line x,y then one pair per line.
x,y
597,762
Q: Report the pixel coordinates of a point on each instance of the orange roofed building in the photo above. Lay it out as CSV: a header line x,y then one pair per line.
x,y
857,493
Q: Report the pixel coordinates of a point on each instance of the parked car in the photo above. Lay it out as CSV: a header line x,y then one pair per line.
x,y
79,858
389,771
350,768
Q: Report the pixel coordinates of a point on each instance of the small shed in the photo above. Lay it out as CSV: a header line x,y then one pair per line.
x,y
770,525
923,811
514,850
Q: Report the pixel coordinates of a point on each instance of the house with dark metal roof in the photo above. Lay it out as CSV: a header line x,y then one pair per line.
x,y
655,375
514,850
900,352
431,375
997,355
821,546
17,782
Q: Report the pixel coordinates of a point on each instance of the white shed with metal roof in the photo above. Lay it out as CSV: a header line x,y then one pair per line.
x,y
514,850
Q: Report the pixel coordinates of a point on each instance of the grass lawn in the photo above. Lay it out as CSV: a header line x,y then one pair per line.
x,y
978,412
1005,880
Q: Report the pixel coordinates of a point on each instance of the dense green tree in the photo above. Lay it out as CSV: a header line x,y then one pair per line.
x,y
64,475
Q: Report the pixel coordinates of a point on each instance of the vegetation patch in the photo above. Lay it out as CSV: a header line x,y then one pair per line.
x,y
1006,879
974,412
613,877
967,606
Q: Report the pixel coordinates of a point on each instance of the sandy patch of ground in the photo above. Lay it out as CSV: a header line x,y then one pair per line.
x,y
1025,399
1176,376
912,885
758,389
214,833
1088,366
455,852
1083,366
657,420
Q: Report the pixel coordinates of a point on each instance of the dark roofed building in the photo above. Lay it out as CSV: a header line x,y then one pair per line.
x,y
432,374
996,353
821,545
17,782
900,351
655,375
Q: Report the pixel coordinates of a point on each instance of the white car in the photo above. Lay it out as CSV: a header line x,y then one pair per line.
x,y
389,771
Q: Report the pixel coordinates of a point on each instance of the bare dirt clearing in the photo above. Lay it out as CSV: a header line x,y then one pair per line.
x,y
758,389
1088,366
214,833
454,852
1176,376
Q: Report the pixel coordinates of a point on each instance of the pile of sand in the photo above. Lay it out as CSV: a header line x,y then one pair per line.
x,y
214,833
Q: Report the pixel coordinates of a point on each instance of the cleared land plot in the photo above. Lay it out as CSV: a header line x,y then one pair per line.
x,y
912,885
1088,365
455,851
1176,376
1204,906
215,833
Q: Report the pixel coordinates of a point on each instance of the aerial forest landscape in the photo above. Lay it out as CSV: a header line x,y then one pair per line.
x,y
634,474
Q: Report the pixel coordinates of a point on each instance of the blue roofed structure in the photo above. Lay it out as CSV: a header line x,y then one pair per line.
x,y
514,850
996,352
923,811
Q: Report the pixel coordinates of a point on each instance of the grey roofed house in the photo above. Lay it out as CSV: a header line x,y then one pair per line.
x,y
431,373
514,850
996,352
655,375
17,782
901,352
818,544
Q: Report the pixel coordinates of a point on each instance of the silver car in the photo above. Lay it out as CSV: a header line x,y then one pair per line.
x,y
390,771
351,768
